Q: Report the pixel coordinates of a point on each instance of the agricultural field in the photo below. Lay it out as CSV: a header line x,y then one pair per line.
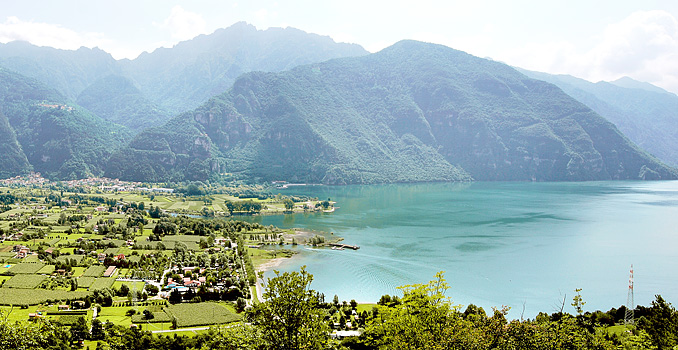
x,y
46,270
14,296
26,268
72,231
201,314
101,283
24,281
77,271
64,258
113,251
132,285
85,282
94,271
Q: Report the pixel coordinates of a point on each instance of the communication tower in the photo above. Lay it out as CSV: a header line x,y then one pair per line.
x,y
630,305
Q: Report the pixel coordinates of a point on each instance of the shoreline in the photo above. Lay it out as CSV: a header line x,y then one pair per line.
x,y
272,263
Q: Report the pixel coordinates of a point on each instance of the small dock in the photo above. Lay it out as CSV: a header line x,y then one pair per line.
x,y
340,245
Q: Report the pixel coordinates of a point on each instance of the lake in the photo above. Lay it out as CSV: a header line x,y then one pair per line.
x,y
525,245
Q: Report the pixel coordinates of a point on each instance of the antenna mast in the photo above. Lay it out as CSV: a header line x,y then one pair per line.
x,y
630,305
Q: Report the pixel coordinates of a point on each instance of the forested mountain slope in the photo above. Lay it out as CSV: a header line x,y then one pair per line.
x,y
117,99
412,112
184,76
150,89
645,113
41,131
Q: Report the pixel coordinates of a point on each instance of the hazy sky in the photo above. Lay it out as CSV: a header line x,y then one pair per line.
x,y
592,39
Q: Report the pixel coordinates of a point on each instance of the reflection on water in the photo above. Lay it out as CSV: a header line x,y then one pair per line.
x,y
499,243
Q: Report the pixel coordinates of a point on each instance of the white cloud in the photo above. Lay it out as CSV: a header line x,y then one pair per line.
x,y
643,46
44,34
264,18
184,25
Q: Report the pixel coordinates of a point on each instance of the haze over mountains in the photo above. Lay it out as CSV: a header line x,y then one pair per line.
x,y
412,112
647,114
168,81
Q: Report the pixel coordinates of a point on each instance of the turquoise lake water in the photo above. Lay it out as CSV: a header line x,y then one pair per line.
x,y
525,245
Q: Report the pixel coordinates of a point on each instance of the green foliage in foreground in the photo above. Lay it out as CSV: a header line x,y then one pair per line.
x,y
293,317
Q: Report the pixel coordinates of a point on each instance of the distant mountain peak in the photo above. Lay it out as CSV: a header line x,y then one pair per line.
x,y
630,83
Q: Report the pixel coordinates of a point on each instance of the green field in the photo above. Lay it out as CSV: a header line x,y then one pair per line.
x,y
24,281
139,285
102,282
77,271
26,268
13,296
47,269
201,314
94,271
113,251
85,282
116,315
77,258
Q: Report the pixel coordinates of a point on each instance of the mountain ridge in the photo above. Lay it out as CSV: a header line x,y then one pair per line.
x,y
648,116
171,80
411,112
41,131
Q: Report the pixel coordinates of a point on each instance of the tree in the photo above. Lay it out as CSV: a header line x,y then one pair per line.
x,y
175,296
289,204
79,330
148,315
420,321
240,304
98,332
290,318
661,323
124,290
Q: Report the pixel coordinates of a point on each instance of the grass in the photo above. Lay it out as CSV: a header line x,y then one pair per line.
x,y
139,285
158,317
365,307
619,330
155,326
77,271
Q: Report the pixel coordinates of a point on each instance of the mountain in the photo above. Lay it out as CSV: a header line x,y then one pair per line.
x,y
647,114
150,89
629,83
411,112
41,131
117,99
12,158
67,71
184,76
